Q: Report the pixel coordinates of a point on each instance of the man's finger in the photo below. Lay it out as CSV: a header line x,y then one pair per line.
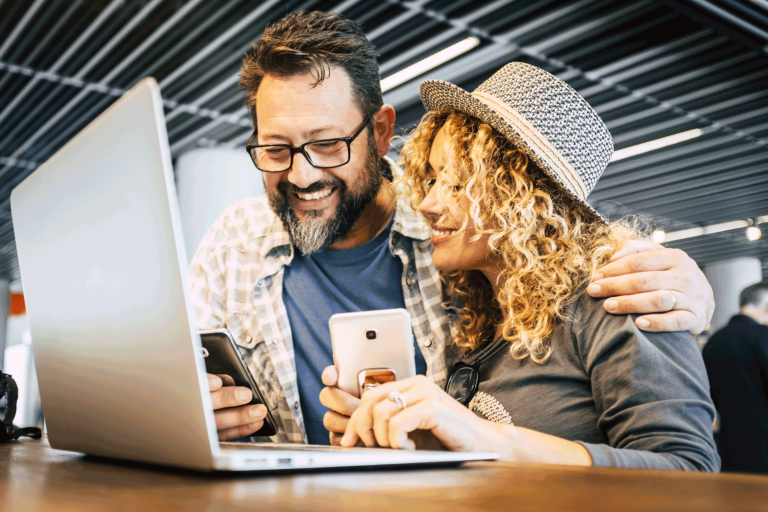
x,y
648,261
631,284
633,247
214,382
672,321
339,401
335,422
233,434
335,438
659,301
230,396
238,416
330,376
226,379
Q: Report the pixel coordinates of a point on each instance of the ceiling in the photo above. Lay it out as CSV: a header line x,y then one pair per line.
x,y
651,68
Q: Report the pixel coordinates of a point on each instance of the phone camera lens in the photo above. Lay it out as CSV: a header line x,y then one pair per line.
x,y
370,334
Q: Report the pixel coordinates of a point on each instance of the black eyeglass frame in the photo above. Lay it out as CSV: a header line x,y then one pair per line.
x,y
300,149
475,385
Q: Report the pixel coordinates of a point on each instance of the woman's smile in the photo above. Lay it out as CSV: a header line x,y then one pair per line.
x,y
441,234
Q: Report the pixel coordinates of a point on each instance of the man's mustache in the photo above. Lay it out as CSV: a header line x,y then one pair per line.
x,y
285,187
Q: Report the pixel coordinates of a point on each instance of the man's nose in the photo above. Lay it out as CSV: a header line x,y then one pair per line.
x,y
302,173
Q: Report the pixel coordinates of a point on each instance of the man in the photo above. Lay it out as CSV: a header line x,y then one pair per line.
x,y
736,358
331,237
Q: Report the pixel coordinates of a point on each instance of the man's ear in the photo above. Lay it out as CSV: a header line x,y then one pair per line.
x,y
384,128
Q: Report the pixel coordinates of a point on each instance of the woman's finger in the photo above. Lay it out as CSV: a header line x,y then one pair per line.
x,y
360,427
385,409
361,422
421,416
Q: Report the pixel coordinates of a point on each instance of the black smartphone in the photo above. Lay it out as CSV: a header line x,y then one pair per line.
x,y
222,357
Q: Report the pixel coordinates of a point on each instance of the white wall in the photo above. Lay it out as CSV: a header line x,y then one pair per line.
x,y
728,279
208,181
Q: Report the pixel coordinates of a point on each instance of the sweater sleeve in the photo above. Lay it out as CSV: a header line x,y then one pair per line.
x,y
651,392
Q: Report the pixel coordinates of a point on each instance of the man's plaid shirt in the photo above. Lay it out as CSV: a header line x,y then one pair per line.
x,y
236,282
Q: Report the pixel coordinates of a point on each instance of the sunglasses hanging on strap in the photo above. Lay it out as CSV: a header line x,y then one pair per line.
x,y
9,395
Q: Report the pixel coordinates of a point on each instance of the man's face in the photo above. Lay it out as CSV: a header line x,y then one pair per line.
x,y
317,206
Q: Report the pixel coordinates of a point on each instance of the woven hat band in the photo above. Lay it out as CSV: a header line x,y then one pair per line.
x,y
538,143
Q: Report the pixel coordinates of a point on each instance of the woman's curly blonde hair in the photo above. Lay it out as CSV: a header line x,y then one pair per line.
x,y
547,244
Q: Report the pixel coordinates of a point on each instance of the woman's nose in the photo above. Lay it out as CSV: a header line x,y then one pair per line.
x,y
430,206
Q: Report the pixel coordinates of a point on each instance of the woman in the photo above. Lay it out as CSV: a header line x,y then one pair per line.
x,y
502,175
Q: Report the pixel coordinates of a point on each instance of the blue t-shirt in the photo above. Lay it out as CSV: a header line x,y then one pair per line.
x,y
325,283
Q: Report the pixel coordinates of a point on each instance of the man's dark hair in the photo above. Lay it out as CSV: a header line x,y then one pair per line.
x,y
312,42
753,295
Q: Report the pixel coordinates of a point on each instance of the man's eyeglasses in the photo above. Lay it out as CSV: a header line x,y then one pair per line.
x,y
323,154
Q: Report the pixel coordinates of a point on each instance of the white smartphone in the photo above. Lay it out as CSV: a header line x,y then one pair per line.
x,y
371,347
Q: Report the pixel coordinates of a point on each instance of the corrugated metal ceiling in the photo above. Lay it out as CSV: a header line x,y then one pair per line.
x,y
650,68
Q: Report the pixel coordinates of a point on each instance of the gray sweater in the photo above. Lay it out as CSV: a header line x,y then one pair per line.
x,y
631,398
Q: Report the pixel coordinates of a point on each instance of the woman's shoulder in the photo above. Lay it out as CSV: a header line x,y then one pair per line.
x,y
596,333
587,312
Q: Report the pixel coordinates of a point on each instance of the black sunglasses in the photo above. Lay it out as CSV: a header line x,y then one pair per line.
x,y
464,379
463,382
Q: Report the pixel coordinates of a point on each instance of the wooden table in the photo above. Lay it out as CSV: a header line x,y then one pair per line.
x,y
34,476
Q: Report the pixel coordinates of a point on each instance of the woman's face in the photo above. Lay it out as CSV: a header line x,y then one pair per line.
x,y
453,250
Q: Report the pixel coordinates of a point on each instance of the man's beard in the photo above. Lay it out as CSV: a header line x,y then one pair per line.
x,y
312,233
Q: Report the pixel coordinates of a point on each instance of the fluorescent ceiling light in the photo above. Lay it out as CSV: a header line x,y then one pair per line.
x,y
430,62
714,228
656,144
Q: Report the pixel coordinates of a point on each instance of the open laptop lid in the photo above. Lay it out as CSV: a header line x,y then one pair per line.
x,y
103,267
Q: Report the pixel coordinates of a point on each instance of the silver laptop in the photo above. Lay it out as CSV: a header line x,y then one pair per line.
x,y
103,267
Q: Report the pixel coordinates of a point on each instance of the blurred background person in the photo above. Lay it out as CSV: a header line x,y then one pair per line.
x,y
736,358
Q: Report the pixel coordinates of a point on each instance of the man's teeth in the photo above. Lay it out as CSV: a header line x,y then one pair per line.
x,y
440,232
315,195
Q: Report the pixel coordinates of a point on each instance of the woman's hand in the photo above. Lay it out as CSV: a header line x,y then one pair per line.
x,y
379,421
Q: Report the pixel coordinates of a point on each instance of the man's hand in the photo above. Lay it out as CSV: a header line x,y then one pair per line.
x,y
340,403
234,419
644,277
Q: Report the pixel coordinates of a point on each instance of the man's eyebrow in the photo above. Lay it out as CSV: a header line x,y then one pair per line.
x,y
321,129
308,135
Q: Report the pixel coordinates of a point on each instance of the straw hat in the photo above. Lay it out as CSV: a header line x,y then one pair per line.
x,y
541,115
